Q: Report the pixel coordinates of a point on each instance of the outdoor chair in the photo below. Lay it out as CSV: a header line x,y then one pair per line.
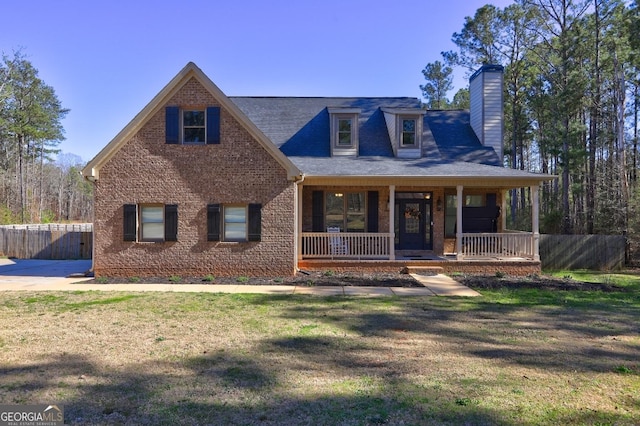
x,y
337,245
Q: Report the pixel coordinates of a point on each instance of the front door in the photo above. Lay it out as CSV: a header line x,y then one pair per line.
x,y
413,224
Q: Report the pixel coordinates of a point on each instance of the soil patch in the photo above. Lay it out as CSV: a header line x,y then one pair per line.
x,y
482,282
308,279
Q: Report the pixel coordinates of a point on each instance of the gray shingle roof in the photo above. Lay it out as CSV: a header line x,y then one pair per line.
x,y
300,127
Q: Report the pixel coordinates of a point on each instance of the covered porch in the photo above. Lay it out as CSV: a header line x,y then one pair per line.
x,y
413,223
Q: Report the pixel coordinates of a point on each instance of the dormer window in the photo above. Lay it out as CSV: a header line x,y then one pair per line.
x,y
405,126
344,131
345,135
408,132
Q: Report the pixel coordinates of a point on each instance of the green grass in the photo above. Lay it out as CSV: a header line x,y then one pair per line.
x,y
510,357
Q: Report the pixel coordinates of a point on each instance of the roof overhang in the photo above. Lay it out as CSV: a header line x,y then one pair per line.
x,y
431,181
92,170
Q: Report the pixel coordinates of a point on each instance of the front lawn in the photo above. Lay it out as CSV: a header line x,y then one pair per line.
x,y
516,356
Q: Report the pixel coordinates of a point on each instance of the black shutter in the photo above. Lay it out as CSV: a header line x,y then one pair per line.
x,y
171,222
213,222
172,125
255,222
491,200
129,222
372,211
213,125
317,211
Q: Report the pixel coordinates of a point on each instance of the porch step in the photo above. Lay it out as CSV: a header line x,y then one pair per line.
x,y
418,269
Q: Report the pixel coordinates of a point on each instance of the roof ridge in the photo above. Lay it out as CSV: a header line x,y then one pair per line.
x,y
326,97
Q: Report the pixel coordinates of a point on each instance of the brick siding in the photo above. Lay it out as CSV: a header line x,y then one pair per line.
x,y
237,171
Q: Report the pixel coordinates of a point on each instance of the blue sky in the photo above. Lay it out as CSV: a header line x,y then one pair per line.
x,y
107,59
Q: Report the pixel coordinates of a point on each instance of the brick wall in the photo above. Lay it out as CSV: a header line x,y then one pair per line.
x,y
237,171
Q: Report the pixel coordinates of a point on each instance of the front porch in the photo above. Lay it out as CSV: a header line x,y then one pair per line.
x,y
393,228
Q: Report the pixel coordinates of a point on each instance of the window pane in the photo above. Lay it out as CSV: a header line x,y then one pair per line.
x,y
152,214
344,139
235,231
409,126
355,202
152,231
355,222
194,134
235,223
193,118
474,201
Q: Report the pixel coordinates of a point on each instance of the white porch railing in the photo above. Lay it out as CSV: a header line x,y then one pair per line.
x,y
352,245
502,245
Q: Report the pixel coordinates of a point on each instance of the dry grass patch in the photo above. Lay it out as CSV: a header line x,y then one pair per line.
x,y
182,358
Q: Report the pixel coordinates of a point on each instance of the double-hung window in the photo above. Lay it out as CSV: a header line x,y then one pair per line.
x,y
150,222
234,223
192,126
345,135
344,130
408,137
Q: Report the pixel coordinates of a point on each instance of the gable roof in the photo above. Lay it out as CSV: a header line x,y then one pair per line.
x,y
92,169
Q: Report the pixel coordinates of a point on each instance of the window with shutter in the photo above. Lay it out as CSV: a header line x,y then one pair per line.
x,y
192,126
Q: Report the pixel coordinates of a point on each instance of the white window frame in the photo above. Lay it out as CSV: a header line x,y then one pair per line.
x,y
403,132
183,128
142,223
417,132
337,118
336,115
226,224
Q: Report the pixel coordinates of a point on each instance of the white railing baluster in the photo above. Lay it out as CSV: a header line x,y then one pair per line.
x,y
482,245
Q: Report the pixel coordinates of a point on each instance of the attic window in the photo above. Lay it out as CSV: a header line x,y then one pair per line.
x,y
193,126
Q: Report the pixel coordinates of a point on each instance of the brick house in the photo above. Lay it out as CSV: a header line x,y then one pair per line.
x,y
200,183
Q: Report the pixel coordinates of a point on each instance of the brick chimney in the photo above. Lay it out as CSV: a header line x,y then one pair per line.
x,y
487,106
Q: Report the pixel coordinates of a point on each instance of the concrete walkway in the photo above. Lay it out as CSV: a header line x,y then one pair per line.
x,y
63,275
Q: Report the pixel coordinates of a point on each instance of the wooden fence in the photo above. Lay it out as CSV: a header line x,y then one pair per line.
x,y
51,241
598,252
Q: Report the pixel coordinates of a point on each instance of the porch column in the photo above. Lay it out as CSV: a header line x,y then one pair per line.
x,y
459,222
535,221
298,222
392,222
503,211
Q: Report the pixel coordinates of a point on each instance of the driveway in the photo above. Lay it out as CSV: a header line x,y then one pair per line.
x,y
34,272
